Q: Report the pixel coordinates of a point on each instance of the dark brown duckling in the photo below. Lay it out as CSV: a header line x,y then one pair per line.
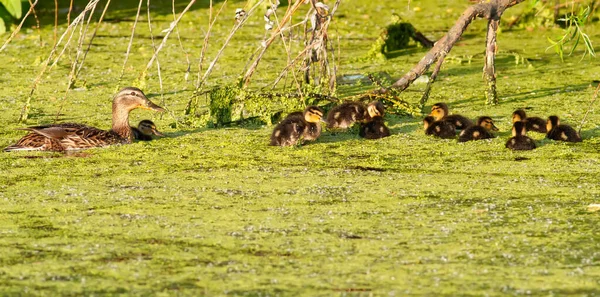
x,y
556,131
534,124
375,128
346,114
440,112
440,129
520,141
145,130
294,129
480,131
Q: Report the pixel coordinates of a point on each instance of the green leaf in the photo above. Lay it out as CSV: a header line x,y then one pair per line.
x,y
13,7
2,27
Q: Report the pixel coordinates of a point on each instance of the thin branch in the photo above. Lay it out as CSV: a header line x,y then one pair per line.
x,y
12,35
137,16
92,38
589,108
160,82
211,22
37,21
187,55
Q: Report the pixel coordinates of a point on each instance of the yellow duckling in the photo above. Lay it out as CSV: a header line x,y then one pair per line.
x,y
480,131
145,130
375,128
441,129
520,141
71,136
346,114
295,128
557,131
440,112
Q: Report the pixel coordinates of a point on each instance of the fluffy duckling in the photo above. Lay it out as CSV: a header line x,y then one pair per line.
x,y
440,112
73,136
556,131
295,128
520,141
480,131
145,130
375,128
532,123
344,115
442,129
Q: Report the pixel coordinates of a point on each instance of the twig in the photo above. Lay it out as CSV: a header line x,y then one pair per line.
x,y
55,20
69,13
92,38
268,42
12,35
211,22
37,21
235,28
137,16
160,82
164,40
589,107
187,55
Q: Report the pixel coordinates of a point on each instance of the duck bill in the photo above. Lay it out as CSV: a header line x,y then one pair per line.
x,y
494,128
151,106
156,132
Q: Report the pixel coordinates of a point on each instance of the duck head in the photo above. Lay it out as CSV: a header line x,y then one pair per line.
x,y
313,114
519,128
552,122
427,121
131,98
519,115
487,123
375,109
439,111
149,128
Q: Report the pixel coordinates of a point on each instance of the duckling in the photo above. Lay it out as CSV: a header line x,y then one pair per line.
x,y
440,112
440,129
532,123
480,131
556,131
72,136
520,141
345,114
145,130
294,128
375,128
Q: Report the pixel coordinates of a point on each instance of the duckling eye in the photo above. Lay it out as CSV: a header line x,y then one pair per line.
x,y
132,93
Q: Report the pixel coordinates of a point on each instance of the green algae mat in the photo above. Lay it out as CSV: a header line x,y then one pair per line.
x,y
211,212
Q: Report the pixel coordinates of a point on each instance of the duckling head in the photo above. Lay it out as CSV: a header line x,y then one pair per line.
x,y
427,121
439,110
313,114
487,123
552,122
519,128
519,115
149,128
375,109
131,98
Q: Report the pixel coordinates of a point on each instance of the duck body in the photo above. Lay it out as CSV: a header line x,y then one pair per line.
x,y
534,124
374,129
441,129
560,132
72,136
519,140
480,131
346,114
441,113
520,143
295,128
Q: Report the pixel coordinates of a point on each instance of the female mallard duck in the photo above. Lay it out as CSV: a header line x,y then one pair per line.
x,y
145,130
295,128
440,112
442,129
480,131
70,136
375,128
531,123
560,132
520,141
345,114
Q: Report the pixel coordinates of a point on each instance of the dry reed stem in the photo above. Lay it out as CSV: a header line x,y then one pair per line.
x,y
12,35
589,107
92,38
137,16
187,55
211,22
